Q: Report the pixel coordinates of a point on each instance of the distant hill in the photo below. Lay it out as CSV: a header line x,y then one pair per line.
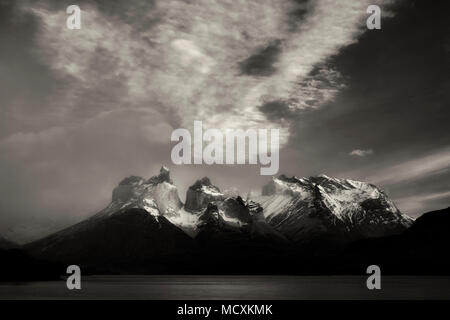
x,y
17,265
421,249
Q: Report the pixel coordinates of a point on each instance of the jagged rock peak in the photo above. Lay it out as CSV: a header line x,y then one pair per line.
x,y
294,186
201,193
293,179
163,176
314,179
203,182
211,218
236,208
282,184
337,205
133,187
132,181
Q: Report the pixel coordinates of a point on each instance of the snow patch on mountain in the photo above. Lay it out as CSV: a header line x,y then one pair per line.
x,y
186,221
211,191
201,193
296,208
157,195
272,204
302,208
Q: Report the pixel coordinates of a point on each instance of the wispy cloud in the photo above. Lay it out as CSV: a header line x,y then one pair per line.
x,y
218,61
361,153
415,169
419,203
138,69
416,185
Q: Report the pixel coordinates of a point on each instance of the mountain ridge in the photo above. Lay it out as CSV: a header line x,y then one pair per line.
x,y
146,227
310,207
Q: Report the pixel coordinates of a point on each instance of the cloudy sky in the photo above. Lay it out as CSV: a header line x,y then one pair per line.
x,y
81,109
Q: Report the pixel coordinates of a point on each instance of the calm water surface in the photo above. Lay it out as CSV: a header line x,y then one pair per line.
x,y
232,287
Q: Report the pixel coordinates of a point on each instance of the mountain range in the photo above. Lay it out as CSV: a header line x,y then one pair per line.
x,y
308,225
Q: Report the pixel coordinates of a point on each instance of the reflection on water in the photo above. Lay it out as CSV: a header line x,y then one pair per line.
x,y
233,287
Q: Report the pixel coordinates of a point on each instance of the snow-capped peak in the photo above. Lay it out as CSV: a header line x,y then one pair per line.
x,y
163,176
316,203
201,193
296,207
157,195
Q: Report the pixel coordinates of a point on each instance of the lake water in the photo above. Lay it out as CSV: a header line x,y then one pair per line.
x,y
233,287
